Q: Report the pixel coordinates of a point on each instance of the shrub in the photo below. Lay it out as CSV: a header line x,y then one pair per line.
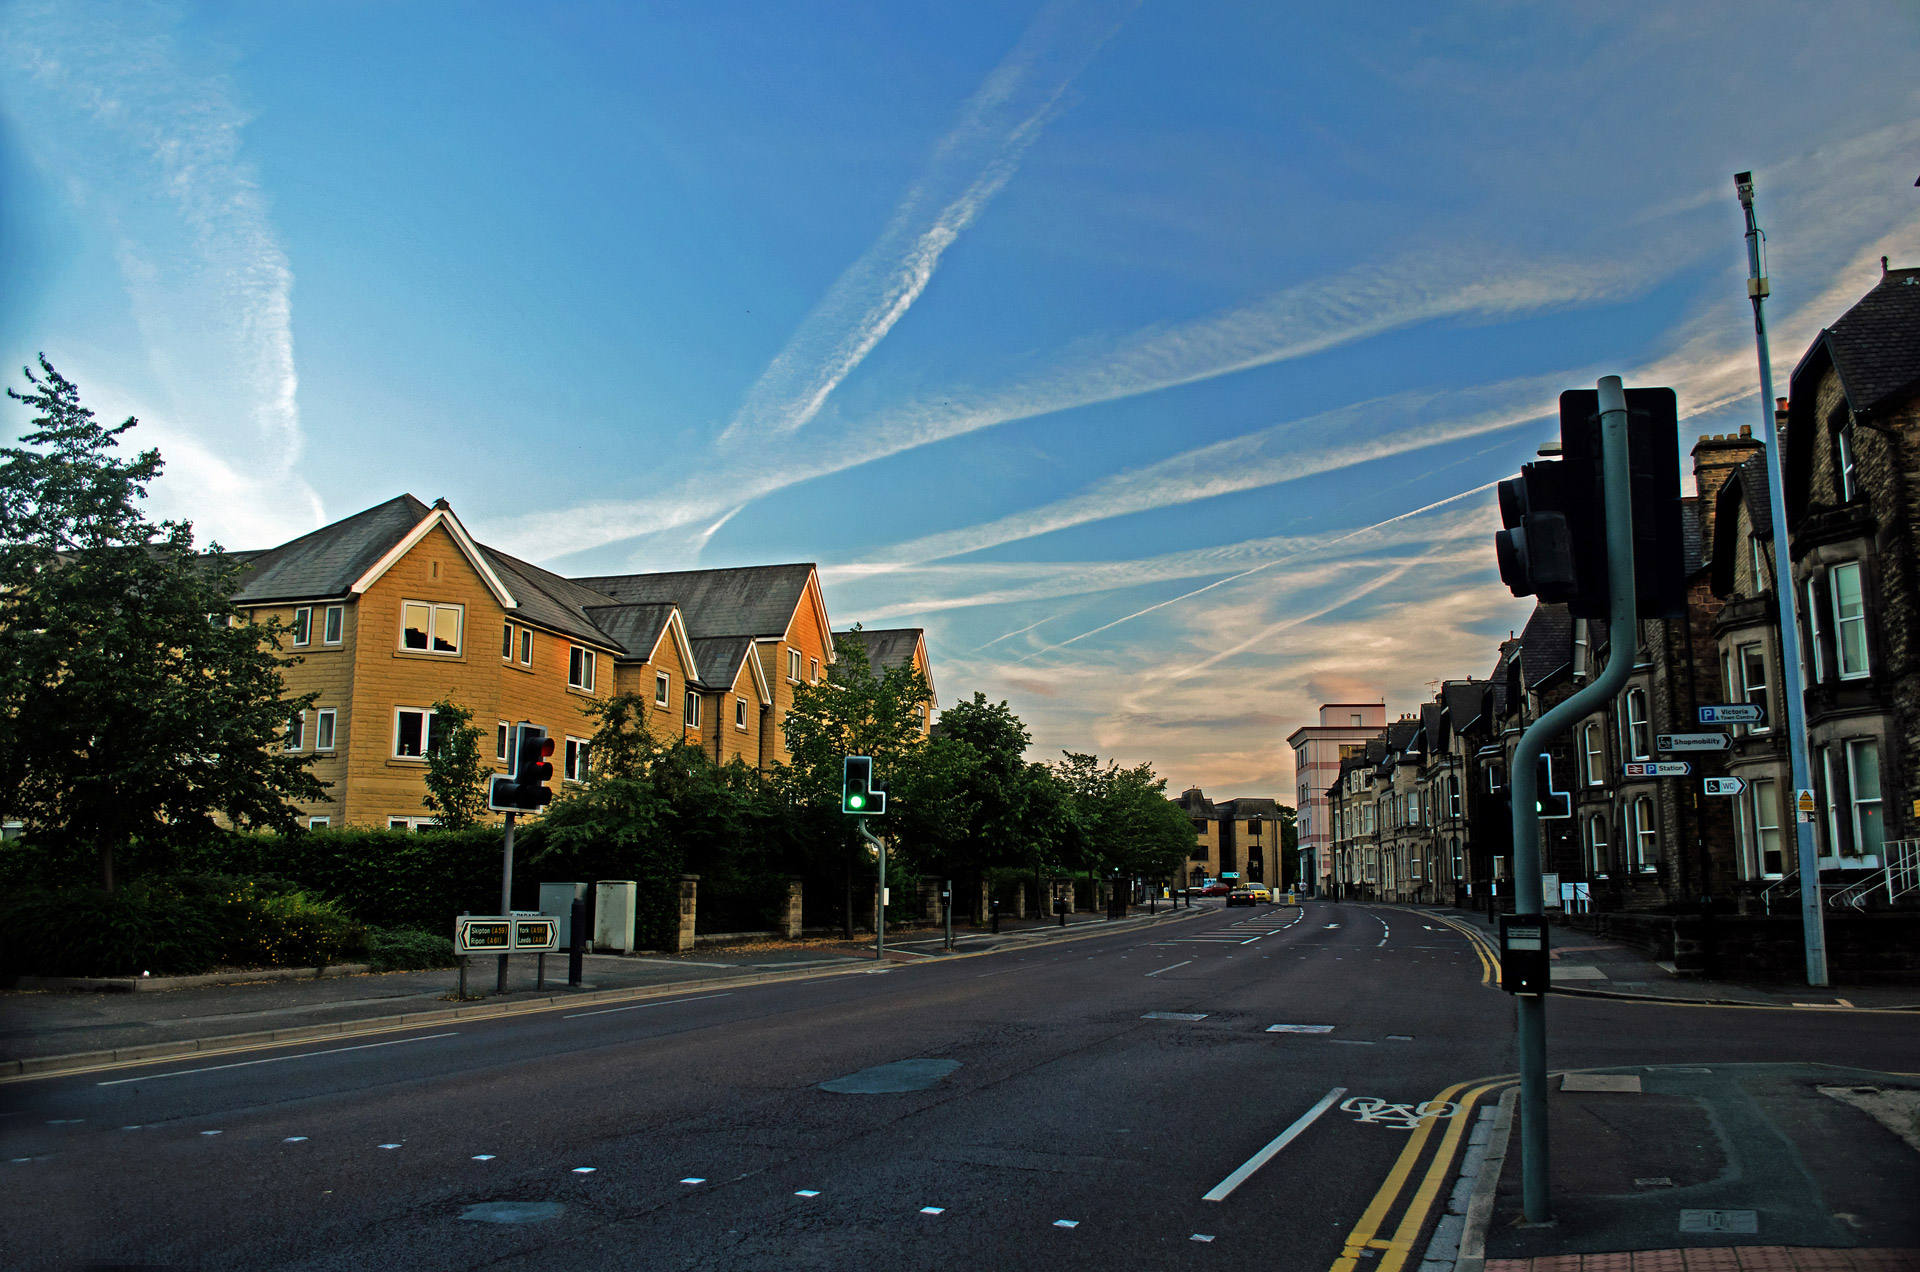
x,y
284,929
408,950
143,927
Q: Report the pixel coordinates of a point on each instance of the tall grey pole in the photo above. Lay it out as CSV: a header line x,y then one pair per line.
x,y
1813,919
880,901
506,897
1623,633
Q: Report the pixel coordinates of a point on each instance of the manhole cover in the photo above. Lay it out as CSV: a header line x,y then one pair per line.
x,y
1719,1221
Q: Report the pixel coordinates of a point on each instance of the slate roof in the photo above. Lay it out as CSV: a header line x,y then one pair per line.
x,y
1195,802
1546,644
636,628
550,600
325,562
889,647
1875,349
1693,534
719,658
753,600
1748,483
1242,807
1433,728
1465,701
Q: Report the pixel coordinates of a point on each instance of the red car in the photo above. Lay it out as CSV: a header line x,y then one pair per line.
x,y
1211,890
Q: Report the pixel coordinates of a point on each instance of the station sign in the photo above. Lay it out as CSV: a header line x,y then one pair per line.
x,y
1662,768
1734,713
1694,741
1724,785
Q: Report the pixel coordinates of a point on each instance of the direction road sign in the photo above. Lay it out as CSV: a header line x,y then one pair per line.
x,y
1694,741
1734,713
1666,768
1724,785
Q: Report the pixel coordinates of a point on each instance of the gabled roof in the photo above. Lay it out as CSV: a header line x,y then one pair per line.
x,y
1466,703
326,562
720,658
552,601
759,601
888,648
1546,645
1746,487
1875,350
639,629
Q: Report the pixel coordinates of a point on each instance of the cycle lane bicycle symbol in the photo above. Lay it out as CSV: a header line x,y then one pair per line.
x,y
1399,1117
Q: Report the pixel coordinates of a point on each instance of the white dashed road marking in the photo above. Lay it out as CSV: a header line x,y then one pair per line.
x,y
669,1002
1168,969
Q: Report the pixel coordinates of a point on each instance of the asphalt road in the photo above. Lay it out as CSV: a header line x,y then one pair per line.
x,y
1050,1123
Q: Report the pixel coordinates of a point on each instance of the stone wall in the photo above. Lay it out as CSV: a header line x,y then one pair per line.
x,y
1861,948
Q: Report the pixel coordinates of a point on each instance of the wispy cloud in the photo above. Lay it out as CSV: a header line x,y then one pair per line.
x,y
977,158
155,150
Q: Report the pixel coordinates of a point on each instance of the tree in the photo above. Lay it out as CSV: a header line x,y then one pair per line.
x,y
456,778
1129,826
136,704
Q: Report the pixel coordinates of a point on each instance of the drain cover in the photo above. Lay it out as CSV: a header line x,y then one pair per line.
x,y
1719,1221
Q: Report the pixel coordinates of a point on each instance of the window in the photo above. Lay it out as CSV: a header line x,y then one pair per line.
x,y
1849,621
1844,445
1253,827
660,688
1753,680
813,671
410,732
296,730
580,668
332,629
506,641
500,740
1353,719
1634,736
303,625
319,823
793,665
1763,808
1863,781
410,823
431,628
1836,799
1646,835
1594,753
692,713
1761,570
740,714
1416,867
526,646
324,730
1453,851
1814,634
576,760
1597,847
1453,795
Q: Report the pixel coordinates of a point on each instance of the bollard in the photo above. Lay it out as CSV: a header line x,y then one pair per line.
x,y
577,946
996,915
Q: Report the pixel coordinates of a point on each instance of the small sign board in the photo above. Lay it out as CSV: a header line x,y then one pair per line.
x,y
1523,953
1662,768
1694,741
1229,874
1803,805
1550,890
1734,713
1724,785
505,934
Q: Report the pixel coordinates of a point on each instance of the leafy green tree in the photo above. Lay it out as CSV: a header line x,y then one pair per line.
x,y
852,712
135,702
456,777
1129,827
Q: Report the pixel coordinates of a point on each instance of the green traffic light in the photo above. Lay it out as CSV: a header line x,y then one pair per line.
x,y
856,801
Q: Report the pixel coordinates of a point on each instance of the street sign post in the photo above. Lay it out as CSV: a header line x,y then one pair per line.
x,y
1733,713
1723,785
1694,741
1661,768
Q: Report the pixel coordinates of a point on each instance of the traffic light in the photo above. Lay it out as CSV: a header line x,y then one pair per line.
x,y
523,789
860,795
1536,550
1653,460
1550,804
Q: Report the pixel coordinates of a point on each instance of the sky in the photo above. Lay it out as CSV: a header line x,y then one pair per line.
x,y
1158,359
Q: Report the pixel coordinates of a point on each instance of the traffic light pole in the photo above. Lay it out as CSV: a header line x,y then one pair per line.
x,y
1813,919
1530,1010
880,900
506,895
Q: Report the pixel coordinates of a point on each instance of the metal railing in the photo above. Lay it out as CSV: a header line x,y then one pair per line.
x,y
1897,879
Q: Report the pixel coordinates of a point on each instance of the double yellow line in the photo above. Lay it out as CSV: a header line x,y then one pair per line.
x,y
1483,949
1399,1247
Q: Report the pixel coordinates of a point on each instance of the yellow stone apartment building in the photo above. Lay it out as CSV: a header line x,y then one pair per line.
x,y
397,607
1232,837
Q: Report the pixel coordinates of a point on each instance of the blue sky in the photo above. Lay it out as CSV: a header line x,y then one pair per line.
x,y
1157,358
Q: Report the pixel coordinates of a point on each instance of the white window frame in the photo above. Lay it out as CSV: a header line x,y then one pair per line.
x,y
333,625
412,825
1814,634
502,739
1748,687
1645,832
1833,801
577,760
740,714
426,732
690,708
434,610
1593,748
1842,622
319,823
662,689
1636,736
296,736
326,729
526,646
1761,574
793,666
580,668
303,625
1847,466
1858,807
1763,803
813,671
1598,863
506,642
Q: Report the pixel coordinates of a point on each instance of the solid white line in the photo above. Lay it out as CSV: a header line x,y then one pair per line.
x,y
305,1055
1168,969
1267,1154
665,1002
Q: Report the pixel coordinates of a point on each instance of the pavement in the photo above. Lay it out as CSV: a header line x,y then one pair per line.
x,y
1590,965
36,1024
1316,1090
